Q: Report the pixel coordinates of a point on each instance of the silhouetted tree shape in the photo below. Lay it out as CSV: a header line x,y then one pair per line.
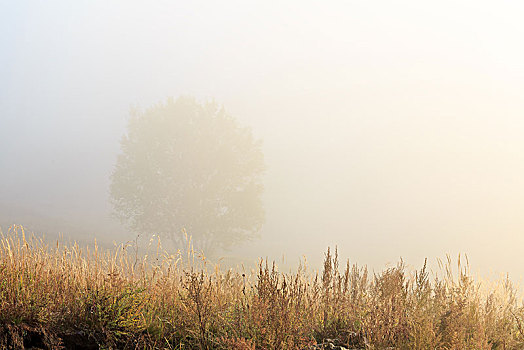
x,y
189,166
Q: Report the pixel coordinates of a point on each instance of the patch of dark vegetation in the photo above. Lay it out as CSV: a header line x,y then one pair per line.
x,y
37,338
27,337
78,340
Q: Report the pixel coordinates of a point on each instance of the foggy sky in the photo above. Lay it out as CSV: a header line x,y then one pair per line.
x,y
390,129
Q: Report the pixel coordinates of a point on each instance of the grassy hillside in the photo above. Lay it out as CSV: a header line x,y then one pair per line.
x,y
54,296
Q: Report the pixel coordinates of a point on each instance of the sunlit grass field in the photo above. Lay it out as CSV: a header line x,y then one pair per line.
x,y
54,296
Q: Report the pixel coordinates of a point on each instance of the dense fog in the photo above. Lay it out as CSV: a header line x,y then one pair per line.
x,y
389,129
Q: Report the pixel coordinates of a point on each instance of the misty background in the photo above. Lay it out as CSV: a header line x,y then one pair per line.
x,y
389,129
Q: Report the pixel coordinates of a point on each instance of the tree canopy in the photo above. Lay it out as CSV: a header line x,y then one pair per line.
x,y
186,165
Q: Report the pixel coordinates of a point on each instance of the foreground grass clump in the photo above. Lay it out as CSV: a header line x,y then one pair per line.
x,y
64,296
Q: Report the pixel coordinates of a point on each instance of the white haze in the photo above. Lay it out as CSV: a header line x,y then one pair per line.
x,y
390,128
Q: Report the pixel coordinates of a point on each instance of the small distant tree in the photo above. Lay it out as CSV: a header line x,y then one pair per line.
x,y
187,166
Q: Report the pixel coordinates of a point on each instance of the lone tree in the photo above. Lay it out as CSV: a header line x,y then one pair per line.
x,y
187,166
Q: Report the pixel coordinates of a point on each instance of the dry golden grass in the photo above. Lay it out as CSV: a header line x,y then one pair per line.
x,y
53,296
